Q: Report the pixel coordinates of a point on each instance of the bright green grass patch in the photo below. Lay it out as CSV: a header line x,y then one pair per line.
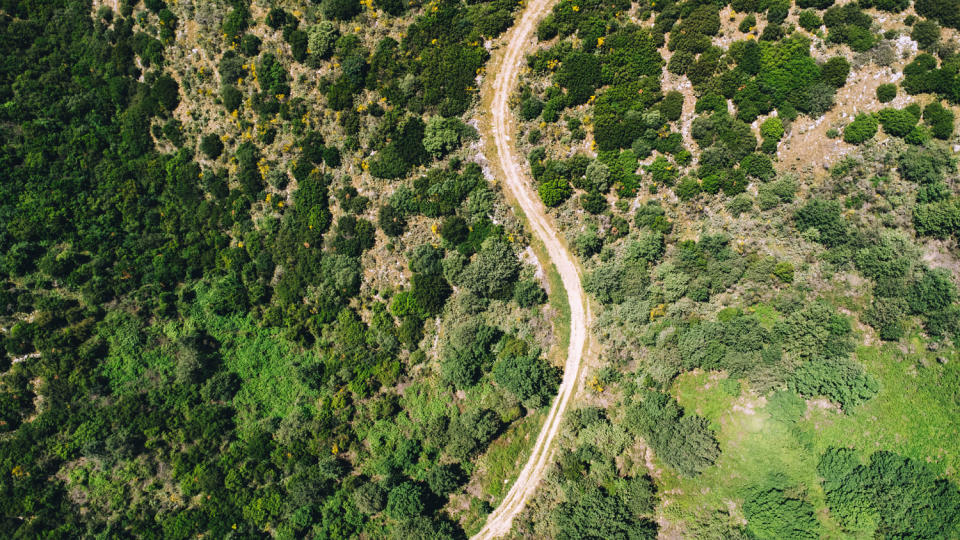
x,y
916,413
506,456
753,446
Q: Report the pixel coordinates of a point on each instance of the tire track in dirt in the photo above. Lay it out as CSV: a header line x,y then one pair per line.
x,y
502,155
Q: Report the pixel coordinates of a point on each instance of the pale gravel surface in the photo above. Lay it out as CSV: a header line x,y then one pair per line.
x,y
518,41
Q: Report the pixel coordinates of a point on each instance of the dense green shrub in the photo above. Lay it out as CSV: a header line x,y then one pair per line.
x,y
809,20
859,495
940,119
772,512
896,122
926,33
579,74
683,441
527,376
835,71
939,219
824,216
886,92
841,380
211,146
863,128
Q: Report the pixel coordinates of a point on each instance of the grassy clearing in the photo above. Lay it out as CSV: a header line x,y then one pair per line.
x,y
915,414
507,455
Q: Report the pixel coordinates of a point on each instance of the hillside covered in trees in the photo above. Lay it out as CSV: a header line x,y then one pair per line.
x,y
253,282
257,279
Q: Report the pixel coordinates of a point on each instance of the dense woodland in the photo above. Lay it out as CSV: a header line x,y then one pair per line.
x,y
196,199
254,282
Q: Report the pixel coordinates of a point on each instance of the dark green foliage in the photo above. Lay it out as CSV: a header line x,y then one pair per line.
x,y
594,513
934,291
340,9
886,92
939,219
211,146
527,376
672,106
468,354
886,316
925,165
405,501
892,495
940,119
250,45
579,74
863,128
529,293
773,512
896,122
683,441
944,11
232,98
809,20
835,71
826,218
893,6
652,216
841,380
848,24
926,33
494,270
471,432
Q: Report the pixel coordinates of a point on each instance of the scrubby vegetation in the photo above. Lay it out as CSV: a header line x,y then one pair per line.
x,y
245,268
749,295
255,283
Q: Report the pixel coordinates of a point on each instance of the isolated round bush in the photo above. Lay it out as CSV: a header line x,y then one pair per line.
x,y
886,92
835,71
211,145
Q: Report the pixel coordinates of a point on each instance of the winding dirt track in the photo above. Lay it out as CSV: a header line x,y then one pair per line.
x,y
516,183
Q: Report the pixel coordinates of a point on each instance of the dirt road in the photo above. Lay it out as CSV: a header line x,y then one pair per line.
x,y
520,40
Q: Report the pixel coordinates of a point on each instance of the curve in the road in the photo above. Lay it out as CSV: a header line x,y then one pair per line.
x,y
500,520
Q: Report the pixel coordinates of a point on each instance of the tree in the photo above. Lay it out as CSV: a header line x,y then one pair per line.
x,y
554,191
772,128
886,92
167,92
493,271
471,432
341,10
897,122
835,71
443,135
932,292
405,501
890,496
211,145
527,376
529,293
579,73
370,498
826,218
839,379
321,39
771,513
926,33
682,441
863,127
940,119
